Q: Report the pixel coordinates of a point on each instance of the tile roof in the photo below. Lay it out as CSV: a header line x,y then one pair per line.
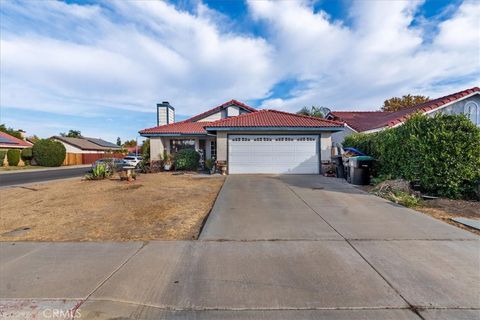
x,y
183,127
273,118
360,120
86,144
220,107
8,141
369,120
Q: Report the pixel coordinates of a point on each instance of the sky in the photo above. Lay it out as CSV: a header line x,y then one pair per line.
x,y
102,66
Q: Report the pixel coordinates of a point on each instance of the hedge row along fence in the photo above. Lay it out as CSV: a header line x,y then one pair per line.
x,y
441,152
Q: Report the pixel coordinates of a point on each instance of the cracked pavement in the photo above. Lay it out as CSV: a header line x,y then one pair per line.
x,y
273,247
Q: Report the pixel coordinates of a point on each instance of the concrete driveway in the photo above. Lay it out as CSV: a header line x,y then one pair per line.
x,y
274,247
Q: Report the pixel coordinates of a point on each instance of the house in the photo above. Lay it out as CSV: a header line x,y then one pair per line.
x,y
247,139
464,102
10,142
86,145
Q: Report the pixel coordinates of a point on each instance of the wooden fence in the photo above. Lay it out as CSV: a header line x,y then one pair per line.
x,y
88,158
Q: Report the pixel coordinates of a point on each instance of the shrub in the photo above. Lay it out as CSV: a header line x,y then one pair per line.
x,y
187,159
441,152
13,157
27,155
49,153
3,153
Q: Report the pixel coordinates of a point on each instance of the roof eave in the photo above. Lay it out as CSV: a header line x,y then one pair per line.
x,y
262,128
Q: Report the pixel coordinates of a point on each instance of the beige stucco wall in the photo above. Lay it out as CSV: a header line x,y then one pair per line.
x,y
325,146
156,148
222,146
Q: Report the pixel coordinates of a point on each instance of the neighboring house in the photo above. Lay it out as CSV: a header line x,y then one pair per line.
x,y
464,102
86,145
248,140
10,142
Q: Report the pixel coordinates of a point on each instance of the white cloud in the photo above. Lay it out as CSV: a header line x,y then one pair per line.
x,y
129,55
79,59
378,56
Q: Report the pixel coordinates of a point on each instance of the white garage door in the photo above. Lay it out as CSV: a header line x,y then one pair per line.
x,y
285,154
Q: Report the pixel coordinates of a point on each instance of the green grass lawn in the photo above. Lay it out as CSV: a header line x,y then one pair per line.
x,y
20,168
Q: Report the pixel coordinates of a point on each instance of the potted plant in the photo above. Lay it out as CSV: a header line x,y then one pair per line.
x,y
210,165
167,161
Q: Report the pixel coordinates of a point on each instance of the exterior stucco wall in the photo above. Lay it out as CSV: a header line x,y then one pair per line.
x,y
222,142
338,137
156,148
72,149
212,117
460,107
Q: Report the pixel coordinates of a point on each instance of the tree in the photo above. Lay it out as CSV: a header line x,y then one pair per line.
x,y
396,103
10,131
119,142
319,112
72,134
130,143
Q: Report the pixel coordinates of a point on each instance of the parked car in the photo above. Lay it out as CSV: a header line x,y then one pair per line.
x,y
133,161
113,164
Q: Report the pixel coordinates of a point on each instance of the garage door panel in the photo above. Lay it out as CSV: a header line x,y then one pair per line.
x,y
287,154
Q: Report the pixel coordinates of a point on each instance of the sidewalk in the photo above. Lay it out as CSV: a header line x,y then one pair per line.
x,y
45,169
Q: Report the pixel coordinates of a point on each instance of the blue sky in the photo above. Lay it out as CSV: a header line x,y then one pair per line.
x,y
101,66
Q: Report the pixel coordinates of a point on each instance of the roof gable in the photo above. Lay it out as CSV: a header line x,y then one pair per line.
x,y
219,108
273,118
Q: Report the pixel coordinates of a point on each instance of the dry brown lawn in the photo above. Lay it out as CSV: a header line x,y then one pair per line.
x,y
156,206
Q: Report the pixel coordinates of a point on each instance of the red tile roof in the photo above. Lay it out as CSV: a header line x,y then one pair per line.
x,y
368,120
273,118
220,107
13,142
360,120
183,127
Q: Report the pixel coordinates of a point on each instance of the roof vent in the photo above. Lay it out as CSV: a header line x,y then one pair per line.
x,y
165,114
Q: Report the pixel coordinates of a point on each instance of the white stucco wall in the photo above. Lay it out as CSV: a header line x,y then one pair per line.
x,y
212,117
459,107
338,137
72,149
156,148
222,142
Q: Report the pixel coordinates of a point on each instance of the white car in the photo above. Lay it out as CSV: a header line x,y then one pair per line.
x,y
133,161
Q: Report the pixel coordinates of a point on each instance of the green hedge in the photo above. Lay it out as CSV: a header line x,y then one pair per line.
x,y
49,153
187,159
442,152
13,157
3,153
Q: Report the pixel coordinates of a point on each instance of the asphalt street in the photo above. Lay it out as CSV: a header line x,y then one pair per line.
x,y
19,178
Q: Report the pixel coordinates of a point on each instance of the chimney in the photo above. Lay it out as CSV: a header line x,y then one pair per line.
x,y
23,133
165,113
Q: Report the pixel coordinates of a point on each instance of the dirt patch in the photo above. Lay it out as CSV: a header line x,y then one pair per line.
x,y
446,209
154,207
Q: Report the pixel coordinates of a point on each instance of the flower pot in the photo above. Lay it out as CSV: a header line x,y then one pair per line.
x,y
167,167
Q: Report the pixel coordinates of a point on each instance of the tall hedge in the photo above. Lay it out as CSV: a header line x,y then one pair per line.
x,y
13,157
442,152
49,153
3,153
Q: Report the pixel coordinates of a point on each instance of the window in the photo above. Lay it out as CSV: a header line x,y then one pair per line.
x,y
179,144
472,112
213,149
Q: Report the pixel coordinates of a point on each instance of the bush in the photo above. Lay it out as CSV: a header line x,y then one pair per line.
x,y
3,153
13,157
441,152
49,153
27,155
187,159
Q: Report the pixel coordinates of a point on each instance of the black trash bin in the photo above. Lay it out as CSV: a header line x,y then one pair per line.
x,y
359,170
339,169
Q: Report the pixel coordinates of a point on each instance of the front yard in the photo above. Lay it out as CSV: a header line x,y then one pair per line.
x,y
154,207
